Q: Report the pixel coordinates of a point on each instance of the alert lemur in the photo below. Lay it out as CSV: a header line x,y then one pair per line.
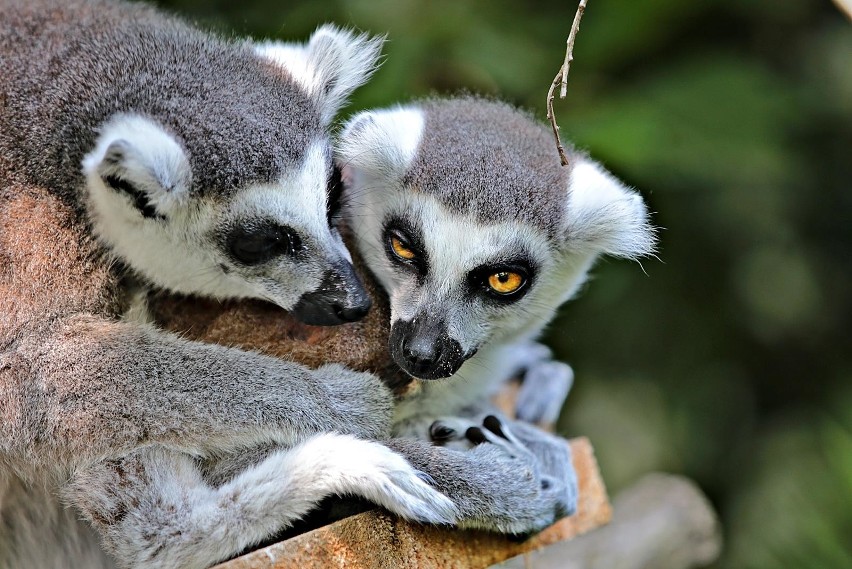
x,y
137,149
462,211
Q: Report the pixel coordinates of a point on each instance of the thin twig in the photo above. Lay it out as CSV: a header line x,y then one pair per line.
x,y
569,48
551,94
562,79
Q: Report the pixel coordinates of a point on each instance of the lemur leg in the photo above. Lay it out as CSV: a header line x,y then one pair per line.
x,y
543,392
91,388
515,479
545,382
153,509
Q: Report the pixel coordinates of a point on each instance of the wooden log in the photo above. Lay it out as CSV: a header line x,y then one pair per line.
x,y
377,540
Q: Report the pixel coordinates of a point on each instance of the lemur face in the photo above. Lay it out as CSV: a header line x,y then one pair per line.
x,y
455,284
463,212
271,241
278,239
231,199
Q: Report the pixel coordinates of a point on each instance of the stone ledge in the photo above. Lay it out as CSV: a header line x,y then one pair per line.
x,y
377,540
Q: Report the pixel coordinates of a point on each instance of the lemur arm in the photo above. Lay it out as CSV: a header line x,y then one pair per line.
x,y
153,509
545,382
495,486
544,388
128,408
89,387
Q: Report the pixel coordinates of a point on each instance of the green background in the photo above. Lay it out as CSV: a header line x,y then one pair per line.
x,y
728,358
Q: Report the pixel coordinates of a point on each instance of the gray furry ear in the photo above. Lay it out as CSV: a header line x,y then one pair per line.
x,y
330,66
380,143
605,216
136,157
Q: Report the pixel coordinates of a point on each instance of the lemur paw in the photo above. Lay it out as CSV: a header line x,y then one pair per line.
x,y
540,485
543,392
465,432
554,455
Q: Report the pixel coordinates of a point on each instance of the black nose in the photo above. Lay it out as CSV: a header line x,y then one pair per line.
x,y
353,313
423,348
421,354
340,298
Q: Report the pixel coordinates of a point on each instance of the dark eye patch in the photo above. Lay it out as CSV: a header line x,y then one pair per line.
x,y
405,232
259,242
335,194
478,279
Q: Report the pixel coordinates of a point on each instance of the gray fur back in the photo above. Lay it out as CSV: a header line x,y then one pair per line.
x,y
488,158
70,65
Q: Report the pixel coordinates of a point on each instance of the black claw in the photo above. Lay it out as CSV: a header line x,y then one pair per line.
x,y
440,432
494,425
475,435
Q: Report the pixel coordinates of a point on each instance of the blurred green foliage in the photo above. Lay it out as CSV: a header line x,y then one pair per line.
x,y
728,359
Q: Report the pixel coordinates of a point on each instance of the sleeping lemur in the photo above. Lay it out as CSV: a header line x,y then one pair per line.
x,y
137,151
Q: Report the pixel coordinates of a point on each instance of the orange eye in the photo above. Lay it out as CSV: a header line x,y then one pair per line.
x,y
505,282
401,250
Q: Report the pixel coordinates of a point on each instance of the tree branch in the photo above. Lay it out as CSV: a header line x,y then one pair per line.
x,y
562,80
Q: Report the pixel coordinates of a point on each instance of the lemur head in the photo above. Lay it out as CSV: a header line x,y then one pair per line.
x,y
462,210
224,185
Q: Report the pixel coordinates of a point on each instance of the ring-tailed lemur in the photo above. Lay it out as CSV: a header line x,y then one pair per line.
x,y
135,148
461,209
463,212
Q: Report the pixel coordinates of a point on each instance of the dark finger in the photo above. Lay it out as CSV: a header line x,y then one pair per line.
x,y
494,425
475,435
439,432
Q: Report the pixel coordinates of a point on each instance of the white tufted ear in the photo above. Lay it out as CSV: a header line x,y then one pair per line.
x,y
381,143
605,216
137,158
330,66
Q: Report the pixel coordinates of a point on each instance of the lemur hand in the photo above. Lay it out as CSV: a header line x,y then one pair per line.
x,y
515,478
